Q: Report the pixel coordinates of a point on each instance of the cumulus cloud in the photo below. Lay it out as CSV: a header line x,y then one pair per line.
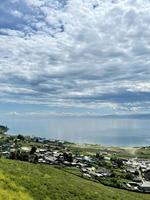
x,y
79,53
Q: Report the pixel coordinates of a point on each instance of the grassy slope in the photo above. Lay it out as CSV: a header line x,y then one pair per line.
x,y
25,181
87,149
123,152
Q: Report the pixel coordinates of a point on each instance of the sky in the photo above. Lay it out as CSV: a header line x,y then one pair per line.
x,y
74,58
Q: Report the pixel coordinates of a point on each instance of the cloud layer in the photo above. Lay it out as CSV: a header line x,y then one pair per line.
x,y
78,53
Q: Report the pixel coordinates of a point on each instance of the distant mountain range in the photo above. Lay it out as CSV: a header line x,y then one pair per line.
x,y
127,116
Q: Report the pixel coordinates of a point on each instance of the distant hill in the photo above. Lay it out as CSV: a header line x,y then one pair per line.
x,y
25,181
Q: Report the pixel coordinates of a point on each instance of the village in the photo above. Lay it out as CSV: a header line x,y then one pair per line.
x,y
108,169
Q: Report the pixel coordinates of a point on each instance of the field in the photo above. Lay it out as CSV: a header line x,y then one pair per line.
x,y
25,181
92,149
121,152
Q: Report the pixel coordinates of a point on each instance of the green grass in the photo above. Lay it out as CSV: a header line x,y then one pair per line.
x,y
25,181
143,153
92,149
120,152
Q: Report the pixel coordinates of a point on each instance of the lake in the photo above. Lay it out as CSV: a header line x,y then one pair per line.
x,y
118,132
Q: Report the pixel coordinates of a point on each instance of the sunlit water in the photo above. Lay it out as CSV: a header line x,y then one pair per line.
x,y
120,132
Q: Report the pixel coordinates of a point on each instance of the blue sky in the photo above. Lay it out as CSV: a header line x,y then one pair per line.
x,y
74,57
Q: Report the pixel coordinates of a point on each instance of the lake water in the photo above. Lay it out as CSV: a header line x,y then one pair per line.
x,y
118,132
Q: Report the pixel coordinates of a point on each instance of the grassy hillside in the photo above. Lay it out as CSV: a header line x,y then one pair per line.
x,y
89,149
25,181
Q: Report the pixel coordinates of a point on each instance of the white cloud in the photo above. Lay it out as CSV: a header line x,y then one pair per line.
x,y
78,53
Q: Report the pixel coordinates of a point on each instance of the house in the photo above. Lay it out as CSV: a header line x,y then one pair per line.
x,y
26,149
67,163
103,172
5,153
40,150
137,179
91,169
106,158
87,175
133,185
39,139
41,160
131,170
145,186
79,164
84,170
104,153
50,159
147,175
56,153
87,159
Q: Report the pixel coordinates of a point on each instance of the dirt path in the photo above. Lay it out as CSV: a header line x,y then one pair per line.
x,y
131,150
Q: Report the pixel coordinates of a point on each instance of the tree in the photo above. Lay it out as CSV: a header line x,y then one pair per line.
x,y
68,157
33,150
12,155
3,129
129,176
24,156
20,137
99,156
136,173
35,160
117,161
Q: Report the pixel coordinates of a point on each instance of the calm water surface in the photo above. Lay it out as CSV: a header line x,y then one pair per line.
x,y
120,132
